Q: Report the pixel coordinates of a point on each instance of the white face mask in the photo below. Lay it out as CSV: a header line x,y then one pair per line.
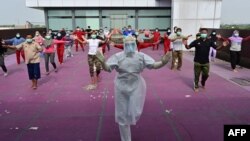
x,y
48,37
29,40
236,34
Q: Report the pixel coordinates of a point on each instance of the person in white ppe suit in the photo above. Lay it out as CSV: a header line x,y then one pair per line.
x,y
130,87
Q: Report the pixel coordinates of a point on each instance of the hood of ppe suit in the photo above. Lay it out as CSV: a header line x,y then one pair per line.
x,y
130,45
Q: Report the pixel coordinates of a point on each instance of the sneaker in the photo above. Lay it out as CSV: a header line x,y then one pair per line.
x,y
47,73
56,69
5,74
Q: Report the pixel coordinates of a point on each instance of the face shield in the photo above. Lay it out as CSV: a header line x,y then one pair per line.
x,y
130,47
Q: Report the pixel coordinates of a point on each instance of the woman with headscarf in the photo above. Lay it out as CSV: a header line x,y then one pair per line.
x,y
235,42
49,51
38,38
130,87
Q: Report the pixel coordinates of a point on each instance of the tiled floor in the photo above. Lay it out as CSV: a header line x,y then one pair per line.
x,y
61,110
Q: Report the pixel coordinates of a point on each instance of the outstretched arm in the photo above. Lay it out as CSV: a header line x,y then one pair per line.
x,y
10,47
105,66
163,62
84,40
186,38
224,44
247,38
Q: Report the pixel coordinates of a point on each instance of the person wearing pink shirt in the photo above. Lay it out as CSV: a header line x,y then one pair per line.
x,y
49,51
38,38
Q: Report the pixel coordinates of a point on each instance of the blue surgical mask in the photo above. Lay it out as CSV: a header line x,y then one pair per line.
x,y
29,40
203,35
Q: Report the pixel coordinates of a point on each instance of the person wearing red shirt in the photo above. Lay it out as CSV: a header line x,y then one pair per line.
x,y
157,36
78,33
167,41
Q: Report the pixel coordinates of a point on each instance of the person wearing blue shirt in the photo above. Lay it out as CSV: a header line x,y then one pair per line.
x,y
16,41
129,31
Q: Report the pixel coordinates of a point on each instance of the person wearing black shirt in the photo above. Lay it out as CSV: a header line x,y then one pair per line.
x,y
89,32
201,59
2,51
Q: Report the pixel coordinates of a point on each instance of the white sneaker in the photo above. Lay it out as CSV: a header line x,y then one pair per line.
x,y
5,74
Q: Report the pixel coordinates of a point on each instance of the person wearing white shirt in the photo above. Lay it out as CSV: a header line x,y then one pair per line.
x,y
94,63
177,44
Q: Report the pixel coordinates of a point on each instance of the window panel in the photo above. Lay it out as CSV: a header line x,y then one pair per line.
x,y
86,13
59,23
59,13
154,12
85,22
152,23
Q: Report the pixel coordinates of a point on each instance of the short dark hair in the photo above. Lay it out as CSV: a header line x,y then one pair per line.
x,y
198,34
178,29
201,29
29,35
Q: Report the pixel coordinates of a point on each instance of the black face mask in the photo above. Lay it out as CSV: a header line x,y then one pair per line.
x,y
168,33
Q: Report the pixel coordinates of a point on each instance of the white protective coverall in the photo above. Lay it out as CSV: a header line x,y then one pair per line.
x,y
130,87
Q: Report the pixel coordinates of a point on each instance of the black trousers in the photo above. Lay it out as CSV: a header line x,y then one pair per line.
x,y
2,63
234,58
